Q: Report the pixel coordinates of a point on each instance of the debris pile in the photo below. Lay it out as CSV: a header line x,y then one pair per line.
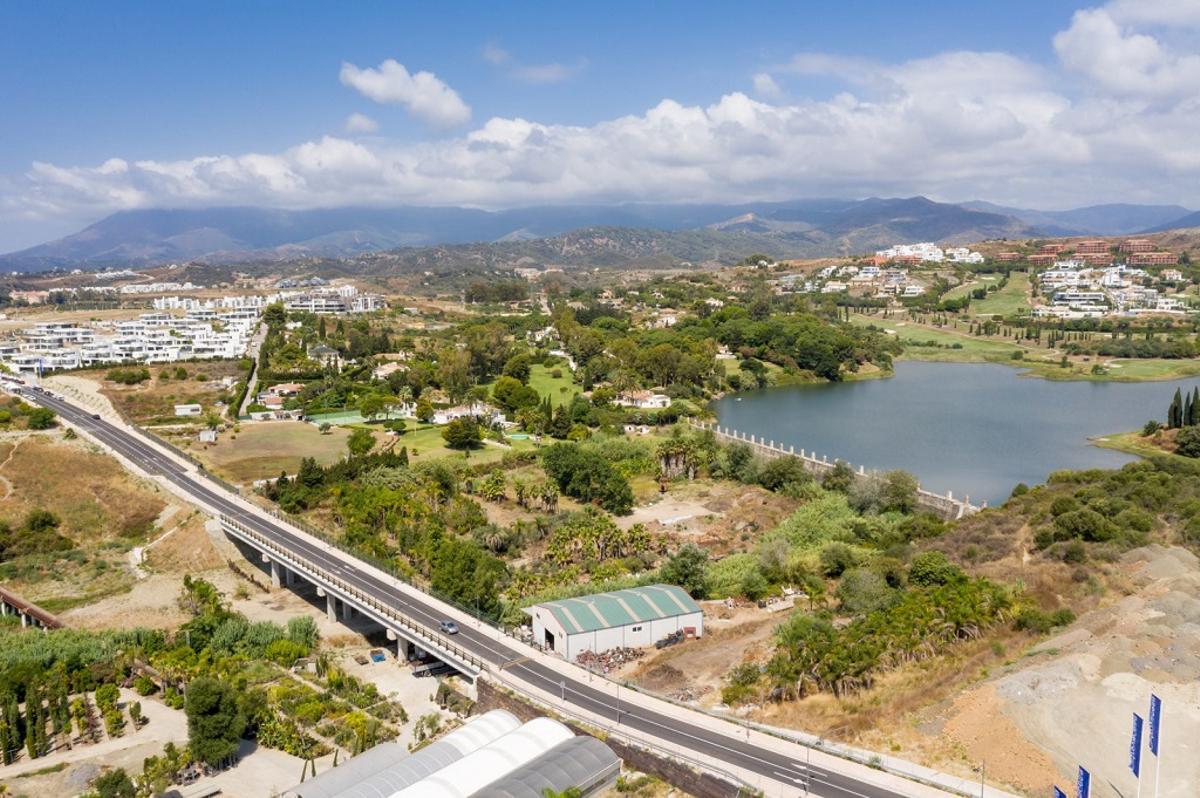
x,y
607,661
670,640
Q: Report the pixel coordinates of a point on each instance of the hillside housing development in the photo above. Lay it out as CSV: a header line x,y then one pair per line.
x,y
1074,289
201,333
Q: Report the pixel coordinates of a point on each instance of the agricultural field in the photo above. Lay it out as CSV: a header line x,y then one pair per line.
x,y
261,450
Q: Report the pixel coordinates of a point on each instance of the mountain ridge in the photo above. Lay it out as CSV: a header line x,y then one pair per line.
x,y
814,227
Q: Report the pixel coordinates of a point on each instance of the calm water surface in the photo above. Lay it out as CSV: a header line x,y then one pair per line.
x,y
975,429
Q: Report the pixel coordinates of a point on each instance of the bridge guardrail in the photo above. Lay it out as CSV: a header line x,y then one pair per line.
x,y
368,601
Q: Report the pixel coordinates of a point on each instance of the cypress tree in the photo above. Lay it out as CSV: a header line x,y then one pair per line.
x,y
1195,417
1188,412
12,714
1175,411
6,751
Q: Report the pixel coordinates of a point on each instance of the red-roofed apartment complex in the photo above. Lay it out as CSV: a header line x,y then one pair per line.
x,y
1153,259
1094,247
1132,245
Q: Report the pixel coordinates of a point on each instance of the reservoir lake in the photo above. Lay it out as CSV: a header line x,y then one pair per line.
x,y
975,429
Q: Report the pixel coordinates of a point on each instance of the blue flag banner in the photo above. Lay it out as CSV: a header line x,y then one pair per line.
x,y
1059,793
1155,718
1083,787
1135,746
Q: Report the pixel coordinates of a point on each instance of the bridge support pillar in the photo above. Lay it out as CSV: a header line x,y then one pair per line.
x,y
331,608
403,649
275,581
24,620
3,608
347,612
289,577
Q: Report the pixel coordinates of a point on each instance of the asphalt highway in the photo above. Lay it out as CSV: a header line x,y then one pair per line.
x,y
697,737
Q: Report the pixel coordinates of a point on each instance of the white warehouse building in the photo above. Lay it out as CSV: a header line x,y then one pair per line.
x,y
639,616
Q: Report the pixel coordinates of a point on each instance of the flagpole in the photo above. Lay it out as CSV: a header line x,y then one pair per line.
x,y
1157,756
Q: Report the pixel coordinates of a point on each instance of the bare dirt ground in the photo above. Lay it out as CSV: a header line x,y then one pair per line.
x,y
694,670
84,390
720,516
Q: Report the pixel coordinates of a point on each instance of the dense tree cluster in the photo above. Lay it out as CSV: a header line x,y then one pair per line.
x,y
585,475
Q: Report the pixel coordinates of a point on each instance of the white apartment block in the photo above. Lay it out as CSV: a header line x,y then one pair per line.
x,y
925,251
150,338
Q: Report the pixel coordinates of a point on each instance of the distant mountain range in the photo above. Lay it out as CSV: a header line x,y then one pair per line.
x,y
1103,220
632,234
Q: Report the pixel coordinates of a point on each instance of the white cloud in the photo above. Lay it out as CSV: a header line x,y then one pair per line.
x,y
765,86
957,125
1124,61
424,94
552,72
496,55
360,123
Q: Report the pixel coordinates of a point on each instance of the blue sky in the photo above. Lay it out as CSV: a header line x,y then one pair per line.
x,y
121,105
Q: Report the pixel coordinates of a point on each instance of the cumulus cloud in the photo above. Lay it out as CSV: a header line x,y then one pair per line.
x,y
360,123
553,72
1125,61
955,126
425,95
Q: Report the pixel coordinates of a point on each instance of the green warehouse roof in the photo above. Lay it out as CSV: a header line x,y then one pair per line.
x,y
620,607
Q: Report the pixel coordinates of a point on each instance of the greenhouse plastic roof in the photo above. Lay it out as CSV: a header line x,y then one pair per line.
x,y
490,763
582,762
387,768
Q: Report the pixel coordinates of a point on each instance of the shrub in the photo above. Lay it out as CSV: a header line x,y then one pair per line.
x,y
1031,619
1074,552
1187,442
836,559
861,591
932,568
743,684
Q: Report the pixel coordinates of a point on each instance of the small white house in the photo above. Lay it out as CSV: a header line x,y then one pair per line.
x,y
188,410
643,400
632,618
480,411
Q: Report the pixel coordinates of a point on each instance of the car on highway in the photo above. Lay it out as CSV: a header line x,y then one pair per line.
x,y
96,416
449,627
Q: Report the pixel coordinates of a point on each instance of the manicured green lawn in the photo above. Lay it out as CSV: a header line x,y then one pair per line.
x,y
1152,369
1010,300
426,443
982,281
949,345
561,389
